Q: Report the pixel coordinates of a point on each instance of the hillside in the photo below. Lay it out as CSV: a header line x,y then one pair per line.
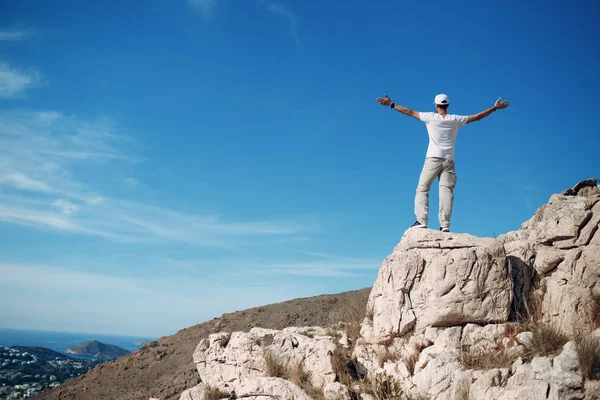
x,y
164,368
42,353
97,349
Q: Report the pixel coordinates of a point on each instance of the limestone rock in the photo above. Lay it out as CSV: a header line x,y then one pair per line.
x,y
244,355
195,393
283,389
561,244
439,279
566,382
524,338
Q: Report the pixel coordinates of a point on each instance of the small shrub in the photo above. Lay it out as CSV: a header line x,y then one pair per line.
x,y
485,359
546,339
274,366
588,352
308,333
211,393
386,387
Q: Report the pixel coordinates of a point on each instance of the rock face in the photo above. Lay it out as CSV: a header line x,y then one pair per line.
x,y
439,279
560,248
244,362
450,317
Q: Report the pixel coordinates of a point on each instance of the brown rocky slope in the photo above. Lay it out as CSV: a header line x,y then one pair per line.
x,y
164,368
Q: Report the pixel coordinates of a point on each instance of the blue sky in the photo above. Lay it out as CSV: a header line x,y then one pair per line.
x,y
163,162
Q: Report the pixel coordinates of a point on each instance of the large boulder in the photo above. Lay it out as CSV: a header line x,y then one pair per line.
x,y
243,360
438,279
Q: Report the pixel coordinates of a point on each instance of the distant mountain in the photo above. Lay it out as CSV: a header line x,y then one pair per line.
x,y
94,348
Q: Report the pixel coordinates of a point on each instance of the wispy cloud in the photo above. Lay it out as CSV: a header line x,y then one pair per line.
x,y
205,8
65,206
284,11
14,82
131,304
325,265
42,152
131,182
299,264
13,35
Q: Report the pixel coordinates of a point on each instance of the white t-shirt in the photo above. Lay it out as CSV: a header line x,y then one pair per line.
x,y
442,133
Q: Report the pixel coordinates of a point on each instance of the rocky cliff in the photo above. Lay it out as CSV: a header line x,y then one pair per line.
x,y
450,316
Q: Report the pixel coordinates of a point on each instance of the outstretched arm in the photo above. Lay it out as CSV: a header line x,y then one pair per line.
x,y
386,101
498,106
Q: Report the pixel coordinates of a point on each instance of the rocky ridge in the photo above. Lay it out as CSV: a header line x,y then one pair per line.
x,y
451,316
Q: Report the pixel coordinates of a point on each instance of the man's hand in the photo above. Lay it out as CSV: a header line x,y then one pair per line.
x,y
501,104
384,101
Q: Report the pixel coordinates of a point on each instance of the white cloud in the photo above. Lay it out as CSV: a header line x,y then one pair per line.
x,y
65,206
41,152
14,82
22,181
15,35
284,11
204,7
131,182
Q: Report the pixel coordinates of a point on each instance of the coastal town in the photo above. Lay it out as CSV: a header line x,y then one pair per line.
x,y
27,371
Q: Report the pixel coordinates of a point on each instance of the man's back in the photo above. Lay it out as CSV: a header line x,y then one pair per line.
x,y
442,132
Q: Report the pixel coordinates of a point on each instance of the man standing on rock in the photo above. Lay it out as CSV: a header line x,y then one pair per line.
x,y
439,161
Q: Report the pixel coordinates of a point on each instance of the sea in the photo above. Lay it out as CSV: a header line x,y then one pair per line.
x,y
61,341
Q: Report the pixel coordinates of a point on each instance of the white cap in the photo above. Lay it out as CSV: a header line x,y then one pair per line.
x,y
441,99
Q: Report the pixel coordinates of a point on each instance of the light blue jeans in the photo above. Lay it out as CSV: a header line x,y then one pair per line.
x,y
444,170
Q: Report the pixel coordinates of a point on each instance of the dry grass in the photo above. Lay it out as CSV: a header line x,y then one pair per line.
x,y
211,393
339,359
388,341
411,363
298,375
386,356
462,393
351,319
547,339
333,333
588,352
370,315
386,387
594,310
301,378
308,333
274,366
485,359
314,392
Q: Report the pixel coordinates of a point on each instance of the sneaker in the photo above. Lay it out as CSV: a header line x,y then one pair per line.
x,y
445,229
417,224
